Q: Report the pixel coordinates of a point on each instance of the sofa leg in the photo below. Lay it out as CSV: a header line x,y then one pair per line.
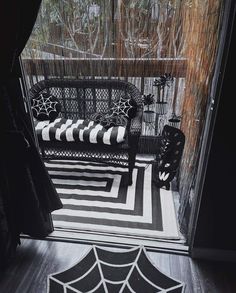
x,y
43,155
132,157
130,180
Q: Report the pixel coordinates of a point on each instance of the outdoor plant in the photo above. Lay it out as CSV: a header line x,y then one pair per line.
x,y
148,115
164,80
161,83
148,100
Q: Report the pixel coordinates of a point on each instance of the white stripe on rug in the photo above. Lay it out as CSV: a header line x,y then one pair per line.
x,y
79,182
84,167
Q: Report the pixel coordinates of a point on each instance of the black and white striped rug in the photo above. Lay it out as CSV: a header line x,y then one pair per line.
x,y
95,198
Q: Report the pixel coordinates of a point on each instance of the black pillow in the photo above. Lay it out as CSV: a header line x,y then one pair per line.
x,y
124,107
121,110
109,120
45,107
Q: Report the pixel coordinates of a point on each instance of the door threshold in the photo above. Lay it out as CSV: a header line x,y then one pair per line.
x,y
118,241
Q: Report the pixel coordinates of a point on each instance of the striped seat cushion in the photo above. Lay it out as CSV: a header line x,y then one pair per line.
x,y
79,131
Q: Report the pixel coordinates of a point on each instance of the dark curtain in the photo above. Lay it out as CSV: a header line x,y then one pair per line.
x,y
27,195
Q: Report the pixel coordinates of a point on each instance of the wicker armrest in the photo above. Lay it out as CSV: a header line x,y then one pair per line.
x,y
136,124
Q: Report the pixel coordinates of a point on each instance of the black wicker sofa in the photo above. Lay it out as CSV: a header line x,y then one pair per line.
x,y
79,100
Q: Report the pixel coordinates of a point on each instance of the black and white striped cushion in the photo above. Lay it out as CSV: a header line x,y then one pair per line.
x,y
79,131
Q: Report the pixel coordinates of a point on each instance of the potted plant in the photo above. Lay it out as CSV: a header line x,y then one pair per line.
x,y
148,115
162,83
174,120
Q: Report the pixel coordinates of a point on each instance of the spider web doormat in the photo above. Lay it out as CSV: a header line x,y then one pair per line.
x,y
95,198
107,271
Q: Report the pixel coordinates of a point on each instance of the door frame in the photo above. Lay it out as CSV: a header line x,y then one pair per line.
x,y
226,31
228,16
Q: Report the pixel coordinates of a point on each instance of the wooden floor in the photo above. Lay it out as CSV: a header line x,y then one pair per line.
x,y
36,259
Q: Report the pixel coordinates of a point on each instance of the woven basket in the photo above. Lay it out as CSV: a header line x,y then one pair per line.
x,y
161,108
149,116
175,122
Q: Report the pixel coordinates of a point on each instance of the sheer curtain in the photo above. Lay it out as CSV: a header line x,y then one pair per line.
x,y
27,195
133,40
136,40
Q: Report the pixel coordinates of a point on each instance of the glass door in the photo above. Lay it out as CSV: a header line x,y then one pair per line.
x,y
168,50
